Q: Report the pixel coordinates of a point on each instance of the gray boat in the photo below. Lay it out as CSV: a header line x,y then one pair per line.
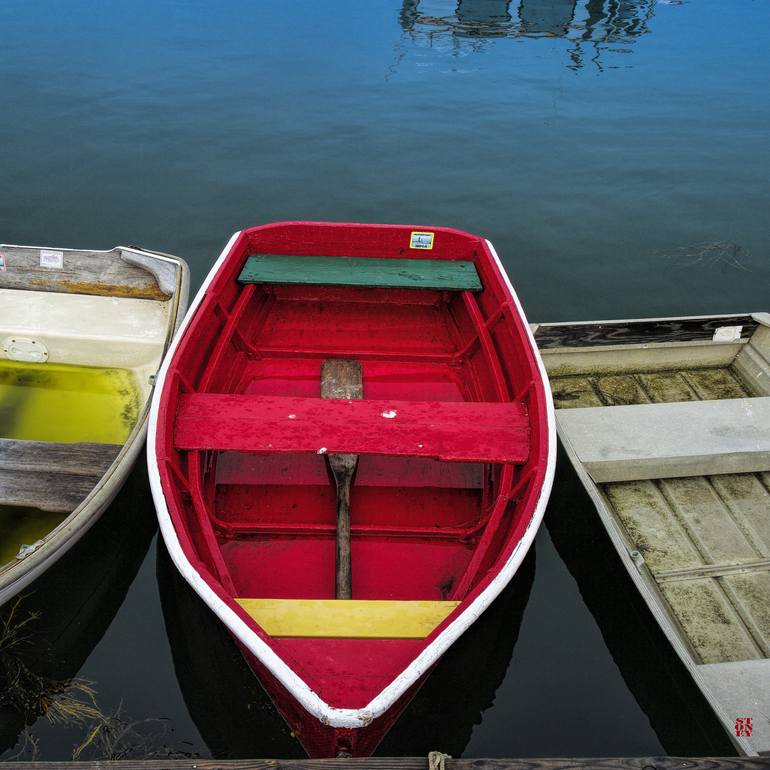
x,y
667,423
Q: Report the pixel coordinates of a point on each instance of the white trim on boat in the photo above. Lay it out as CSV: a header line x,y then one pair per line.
x,y
297,687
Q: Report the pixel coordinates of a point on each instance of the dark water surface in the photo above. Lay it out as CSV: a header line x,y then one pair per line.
x,y
615,151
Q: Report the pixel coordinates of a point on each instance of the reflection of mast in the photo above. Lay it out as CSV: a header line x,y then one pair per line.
x,y
408,15
546,17
629,17
609,21
594,17
484,18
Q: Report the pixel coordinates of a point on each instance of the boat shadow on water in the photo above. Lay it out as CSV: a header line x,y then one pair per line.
x,y
676,708
463,686
237,719
66,611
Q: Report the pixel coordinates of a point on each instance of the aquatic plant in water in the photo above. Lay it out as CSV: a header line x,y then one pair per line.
x,y
724,254
71,703
114,737
30,694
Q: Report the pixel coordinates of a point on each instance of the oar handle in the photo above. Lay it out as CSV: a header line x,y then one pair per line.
x,y
344,584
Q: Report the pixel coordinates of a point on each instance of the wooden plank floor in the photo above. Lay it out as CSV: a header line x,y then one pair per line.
x,y
706,541
646,387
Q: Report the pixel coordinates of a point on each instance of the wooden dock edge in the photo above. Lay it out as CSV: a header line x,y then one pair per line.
x,y
413,763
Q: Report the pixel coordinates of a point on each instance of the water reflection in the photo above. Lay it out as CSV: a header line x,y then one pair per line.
x,y
588,24
663,688
474,666
233,714
47,634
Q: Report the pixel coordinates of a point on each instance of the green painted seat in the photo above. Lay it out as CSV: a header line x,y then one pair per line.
x,y
373,273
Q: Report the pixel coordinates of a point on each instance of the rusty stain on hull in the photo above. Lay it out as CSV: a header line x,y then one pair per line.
x,y
147,291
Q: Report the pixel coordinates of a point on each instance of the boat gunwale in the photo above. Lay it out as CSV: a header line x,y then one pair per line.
x,y
117,253
472,606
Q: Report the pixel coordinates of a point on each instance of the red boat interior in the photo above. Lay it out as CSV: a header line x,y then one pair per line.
x,y
243,435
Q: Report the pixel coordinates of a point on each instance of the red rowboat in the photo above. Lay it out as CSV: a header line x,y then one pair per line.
x,y
351,448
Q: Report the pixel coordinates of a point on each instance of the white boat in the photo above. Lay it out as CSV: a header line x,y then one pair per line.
x,y
82,334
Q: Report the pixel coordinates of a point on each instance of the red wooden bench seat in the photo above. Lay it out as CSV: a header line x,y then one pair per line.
x,y
464,431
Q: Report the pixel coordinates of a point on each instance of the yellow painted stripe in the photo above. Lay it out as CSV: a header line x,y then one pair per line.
x,y
347,619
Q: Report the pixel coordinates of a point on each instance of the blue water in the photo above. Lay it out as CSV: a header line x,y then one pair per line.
x,y
615,151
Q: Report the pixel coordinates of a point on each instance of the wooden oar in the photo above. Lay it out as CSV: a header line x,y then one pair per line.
x,y
341,378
